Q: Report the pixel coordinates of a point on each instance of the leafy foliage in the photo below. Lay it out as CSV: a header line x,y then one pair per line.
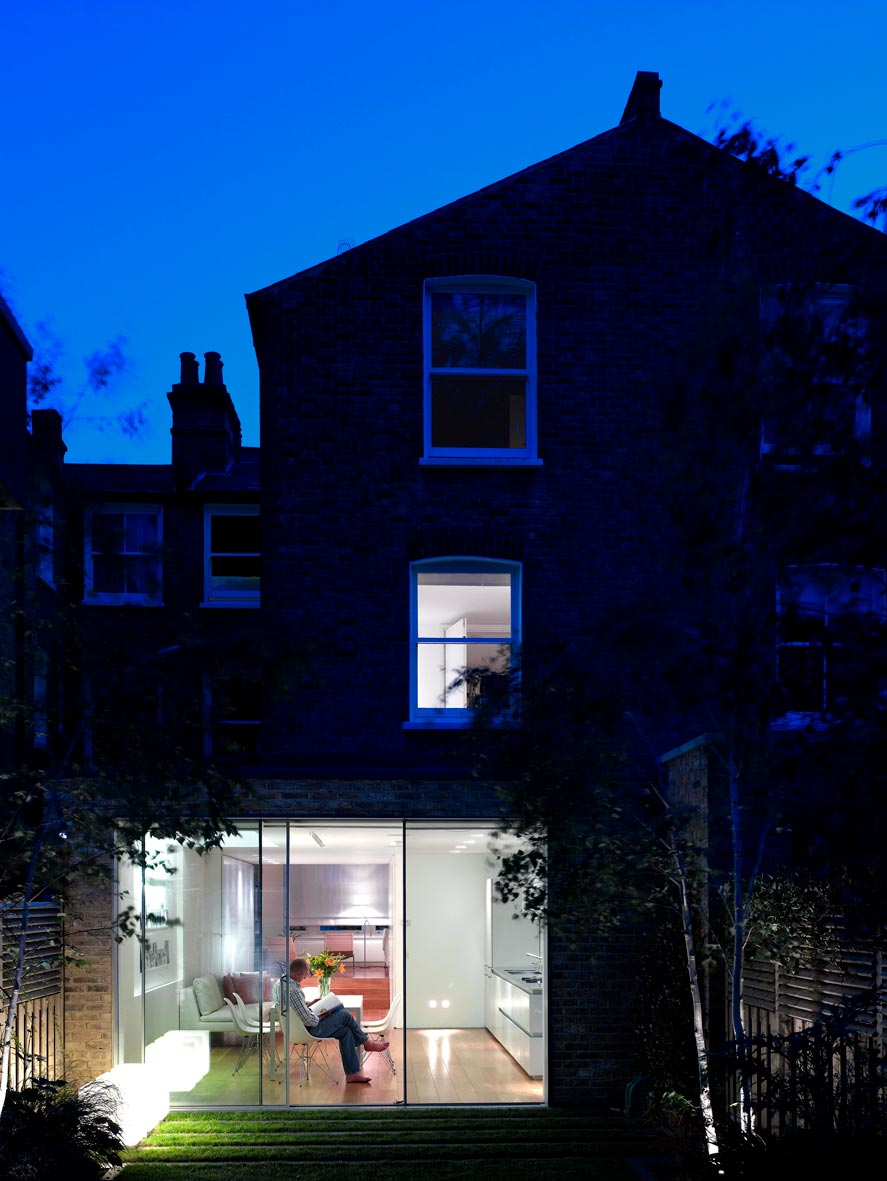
x,y
49,1129
590,854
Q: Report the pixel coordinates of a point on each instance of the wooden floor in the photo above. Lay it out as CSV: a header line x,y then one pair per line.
x,y
442,1066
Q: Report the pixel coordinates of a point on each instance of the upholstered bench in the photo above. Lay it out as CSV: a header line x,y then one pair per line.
x,y
202,1005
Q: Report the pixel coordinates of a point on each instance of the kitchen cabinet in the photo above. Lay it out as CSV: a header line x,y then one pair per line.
x,y
513,1012
370,953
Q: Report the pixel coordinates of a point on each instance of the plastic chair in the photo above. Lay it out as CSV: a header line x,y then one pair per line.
x,y
252,1032
305,1044
380,1028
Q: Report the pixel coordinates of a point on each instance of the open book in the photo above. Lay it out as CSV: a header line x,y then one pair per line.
x,y
325,1004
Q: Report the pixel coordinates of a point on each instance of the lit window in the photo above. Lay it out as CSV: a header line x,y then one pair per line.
x,y
466,625
233,555
826,615
123,555
815,368
480,370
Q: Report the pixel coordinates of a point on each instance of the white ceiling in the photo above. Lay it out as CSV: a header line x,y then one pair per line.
x,y
361,843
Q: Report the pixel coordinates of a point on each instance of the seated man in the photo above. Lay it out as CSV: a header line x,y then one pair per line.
x,y
337,1023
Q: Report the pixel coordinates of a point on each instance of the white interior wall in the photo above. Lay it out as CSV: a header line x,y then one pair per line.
x,y
445,939
430,676
395,941
238,910
513,937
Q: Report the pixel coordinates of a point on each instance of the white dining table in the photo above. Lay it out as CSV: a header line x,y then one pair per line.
x,y
353,1003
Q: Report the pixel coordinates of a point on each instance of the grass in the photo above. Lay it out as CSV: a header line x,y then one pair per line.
x,y
507,1144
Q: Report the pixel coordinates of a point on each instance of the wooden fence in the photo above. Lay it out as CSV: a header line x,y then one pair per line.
x,y
38,1032
816,1043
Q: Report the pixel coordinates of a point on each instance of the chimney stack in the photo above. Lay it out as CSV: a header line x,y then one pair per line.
x,y
205,428
643,102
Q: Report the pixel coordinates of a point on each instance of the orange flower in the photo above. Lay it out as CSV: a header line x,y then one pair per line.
x,y
341,967
318,972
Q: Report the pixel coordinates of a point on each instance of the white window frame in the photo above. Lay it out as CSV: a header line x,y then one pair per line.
x,y
111,598
226,598
794,719
840,295
454,717
482,456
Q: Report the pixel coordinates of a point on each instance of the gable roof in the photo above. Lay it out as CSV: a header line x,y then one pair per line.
x,y
642,139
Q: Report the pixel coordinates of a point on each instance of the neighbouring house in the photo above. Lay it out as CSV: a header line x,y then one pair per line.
x,y
31,640
479,439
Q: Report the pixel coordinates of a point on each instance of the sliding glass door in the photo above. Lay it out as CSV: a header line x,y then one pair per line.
x,y
421,952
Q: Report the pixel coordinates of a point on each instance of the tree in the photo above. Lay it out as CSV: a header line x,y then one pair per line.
x,y
69,821
808,506
83,403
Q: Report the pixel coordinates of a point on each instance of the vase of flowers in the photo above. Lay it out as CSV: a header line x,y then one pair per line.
x,y
322,967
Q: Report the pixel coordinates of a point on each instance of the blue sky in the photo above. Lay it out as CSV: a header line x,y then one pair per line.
x,y
162,158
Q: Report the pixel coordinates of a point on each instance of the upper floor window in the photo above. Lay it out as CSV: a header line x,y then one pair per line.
x,y
232,716
826,615
122,560
44,539
816,364
466,627
480,370
40,714
232,556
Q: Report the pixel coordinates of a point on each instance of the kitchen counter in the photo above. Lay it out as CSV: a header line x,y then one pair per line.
x,y
516,976
513,1008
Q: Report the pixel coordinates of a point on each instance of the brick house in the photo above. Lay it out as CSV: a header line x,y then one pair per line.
x,y
469,432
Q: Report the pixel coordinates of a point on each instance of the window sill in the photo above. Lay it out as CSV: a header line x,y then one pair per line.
x,y
478,461
503,722
433,724
120,601
241,604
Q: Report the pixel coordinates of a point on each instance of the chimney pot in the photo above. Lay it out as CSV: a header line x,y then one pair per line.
x,y
190,374
212,370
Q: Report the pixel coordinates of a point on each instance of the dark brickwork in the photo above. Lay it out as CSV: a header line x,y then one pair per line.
x,y
642,243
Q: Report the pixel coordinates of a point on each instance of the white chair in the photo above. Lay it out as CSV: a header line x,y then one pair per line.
x,y
253,1033
309,1049
381,1028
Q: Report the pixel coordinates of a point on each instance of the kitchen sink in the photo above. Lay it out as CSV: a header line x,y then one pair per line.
x,y
524,974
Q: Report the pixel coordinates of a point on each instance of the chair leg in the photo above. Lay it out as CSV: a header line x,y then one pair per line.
x,y
246,1048
313,1052
304,1062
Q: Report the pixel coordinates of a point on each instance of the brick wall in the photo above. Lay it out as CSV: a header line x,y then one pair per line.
x,y
89,988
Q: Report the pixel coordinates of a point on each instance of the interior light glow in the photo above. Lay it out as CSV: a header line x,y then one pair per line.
x,y
432,1004
444,1004
142,1098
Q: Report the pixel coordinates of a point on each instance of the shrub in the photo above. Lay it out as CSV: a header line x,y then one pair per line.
x,y
49,1129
